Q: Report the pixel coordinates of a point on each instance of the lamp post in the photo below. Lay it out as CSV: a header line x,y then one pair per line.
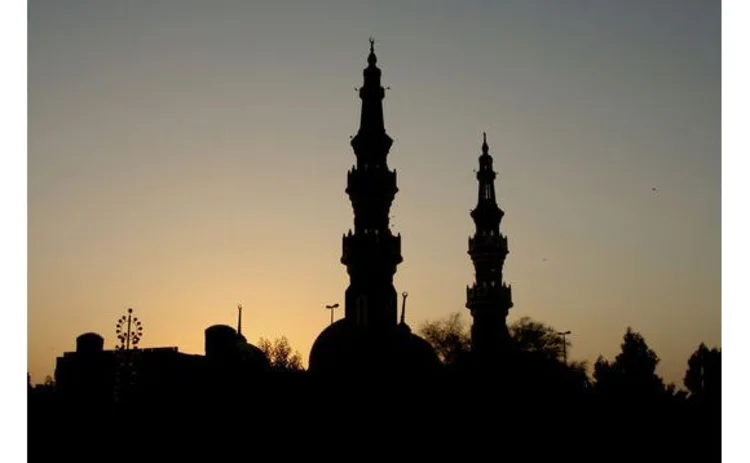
x,y
332,308
565,346
130,336
129,333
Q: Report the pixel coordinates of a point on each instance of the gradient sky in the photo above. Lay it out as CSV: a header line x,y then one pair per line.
x,y
186,156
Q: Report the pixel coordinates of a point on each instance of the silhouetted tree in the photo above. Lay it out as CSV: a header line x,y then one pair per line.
x,y
703,376
281,355
449,337
535,337
675,393
578,374
47,385
633,372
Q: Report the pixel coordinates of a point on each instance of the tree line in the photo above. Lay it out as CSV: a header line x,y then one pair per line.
x,y
633,370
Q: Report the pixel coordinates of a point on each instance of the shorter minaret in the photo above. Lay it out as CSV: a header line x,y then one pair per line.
x,y
489,298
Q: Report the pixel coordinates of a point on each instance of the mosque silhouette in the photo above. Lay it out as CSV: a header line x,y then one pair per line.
x,y
371,339
373,388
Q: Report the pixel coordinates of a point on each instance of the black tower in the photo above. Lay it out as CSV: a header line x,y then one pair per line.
x,y
489,298
371,253
369,339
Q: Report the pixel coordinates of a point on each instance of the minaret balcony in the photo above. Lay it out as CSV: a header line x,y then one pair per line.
x,y
372,179
487,214
485,174
371,143
489,295
488,242
370,247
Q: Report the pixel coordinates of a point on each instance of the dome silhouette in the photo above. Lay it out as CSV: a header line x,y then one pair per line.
x,y
224,344
89,343
347,347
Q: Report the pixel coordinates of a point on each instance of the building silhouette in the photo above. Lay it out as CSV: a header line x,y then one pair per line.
x,y
488,298
370,337
191,405
94,378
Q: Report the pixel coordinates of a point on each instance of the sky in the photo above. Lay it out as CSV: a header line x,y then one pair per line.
x,y
186,156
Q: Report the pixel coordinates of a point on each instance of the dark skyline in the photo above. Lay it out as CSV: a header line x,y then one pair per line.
x,y
157,131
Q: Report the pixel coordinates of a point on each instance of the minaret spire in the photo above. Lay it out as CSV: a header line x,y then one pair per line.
x,y
371,138
371,58
489,298
372,252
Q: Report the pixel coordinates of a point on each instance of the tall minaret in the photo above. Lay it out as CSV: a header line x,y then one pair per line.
x,y
371,253
489,298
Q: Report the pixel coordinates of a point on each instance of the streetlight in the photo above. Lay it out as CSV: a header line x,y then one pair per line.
x,y
129,333
332,308
129,336
565,346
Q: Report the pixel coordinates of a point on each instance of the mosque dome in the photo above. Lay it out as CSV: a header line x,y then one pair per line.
x,y
344,347
253,356
223,344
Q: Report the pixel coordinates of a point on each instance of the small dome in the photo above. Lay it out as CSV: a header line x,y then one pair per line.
x,y
223,344
252,355
344,347
220,340
89,343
